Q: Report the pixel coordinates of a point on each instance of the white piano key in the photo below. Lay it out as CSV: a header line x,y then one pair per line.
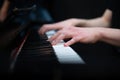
x,y
67,55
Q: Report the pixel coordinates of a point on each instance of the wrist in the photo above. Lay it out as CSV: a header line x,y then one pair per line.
x,y
102,34
79,22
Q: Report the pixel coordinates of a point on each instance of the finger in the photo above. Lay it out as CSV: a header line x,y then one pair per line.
x,y
58,39
54,37
40,31
48,27
70,42
43,29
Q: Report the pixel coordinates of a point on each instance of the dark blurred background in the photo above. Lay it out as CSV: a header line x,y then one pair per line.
x,y
102,59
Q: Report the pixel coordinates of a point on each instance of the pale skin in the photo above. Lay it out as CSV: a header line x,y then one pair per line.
x,y
84,30
4,10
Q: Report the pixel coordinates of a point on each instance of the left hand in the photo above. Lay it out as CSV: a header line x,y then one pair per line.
x,y
59,25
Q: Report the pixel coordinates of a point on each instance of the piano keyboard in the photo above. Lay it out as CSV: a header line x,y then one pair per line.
x,y
39,59
65,55
36,58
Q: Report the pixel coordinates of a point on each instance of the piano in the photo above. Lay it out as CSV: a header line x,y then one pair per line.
x,y
29,55
24,54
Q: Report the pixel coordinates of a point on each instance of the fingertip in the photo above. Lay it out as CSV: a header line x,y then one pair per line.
x,y
66,45
70,42
40,32
54,42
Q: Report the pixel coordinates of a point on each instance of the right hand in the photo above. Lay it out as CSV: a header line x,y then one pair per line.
x,y
76,34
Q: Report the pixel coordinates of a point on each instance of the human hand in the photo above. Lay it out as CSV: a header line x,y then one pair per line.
x,y
59,25
103,21
76,34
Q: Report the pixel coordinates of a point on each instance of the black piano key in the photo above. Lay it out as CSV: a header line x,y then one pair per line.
x,y
38,52
37,43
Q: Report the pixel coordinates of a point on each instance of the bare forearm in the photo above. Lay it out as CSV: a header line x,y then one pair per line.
x,y
111,36
5,6
102,21
96,22
4,10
